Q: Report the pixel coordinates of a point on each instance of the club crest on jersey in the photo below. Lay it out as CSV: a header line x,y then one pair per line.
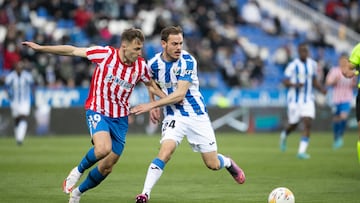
x,y
176,70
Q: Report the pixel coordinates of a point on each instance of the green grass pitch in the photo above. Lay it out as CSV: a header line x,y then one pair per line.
x,y
33,173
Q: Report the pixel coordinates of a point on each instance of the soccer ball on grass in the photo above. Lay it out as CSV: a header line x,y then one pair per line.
x,y
281,195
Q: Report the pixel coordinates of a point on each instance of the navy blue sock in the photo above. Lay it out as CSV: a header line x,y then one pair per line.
x,y
336,129
93,179
88,161
342,128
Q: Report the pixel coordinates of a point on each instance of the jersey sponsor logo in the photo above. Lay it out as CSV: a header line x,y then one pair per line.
x,y
117,81
177,71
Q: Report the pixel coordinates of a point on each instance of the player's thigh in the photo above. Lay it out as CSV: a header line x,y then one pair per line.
x,y
173,128
99,131
307,110
118,130
344,110
200,134
18,109
293,113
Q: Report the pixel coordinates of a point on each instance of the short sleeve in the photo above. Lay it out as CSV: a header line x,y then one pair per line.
x,y
355,55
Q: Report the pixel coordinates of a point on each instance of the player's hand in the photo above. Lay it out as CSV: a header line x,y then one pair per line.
x,y
155,115
31,45
141,108
350,73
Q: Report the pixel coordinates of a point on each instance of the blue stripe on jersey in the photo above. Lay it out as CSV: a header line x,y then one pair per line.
x,y
187,76
306,82
179,66
297,82
189,67
182,110
155,69
168,66
10,90
179,106
195,106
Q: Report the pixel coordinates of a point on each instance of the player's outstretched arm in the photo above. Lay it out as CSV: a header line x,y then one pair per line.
x,y
66,50
177,96
154,89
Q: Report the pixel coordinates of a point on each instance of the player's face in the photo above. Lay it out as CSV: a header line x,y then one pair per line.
x,y
172,48
132,50
19,66
303,52
343,61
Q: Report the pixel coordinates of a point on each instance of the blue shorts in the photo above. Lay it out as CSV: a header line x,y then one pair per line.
x,y
117,128
342,108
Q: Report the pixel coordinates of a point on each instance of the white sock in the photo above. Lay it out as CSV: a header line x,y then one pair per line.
x,y
76,192
283,135
20,131
153,175
227,162
303,146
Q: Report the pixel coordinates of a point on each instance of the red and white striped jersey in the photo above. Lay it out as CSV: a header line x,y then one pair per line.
x,y
343,88
113,81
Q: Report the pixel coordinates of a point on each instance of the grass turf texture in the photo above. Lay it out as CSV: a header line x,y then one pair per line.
x,y
34,172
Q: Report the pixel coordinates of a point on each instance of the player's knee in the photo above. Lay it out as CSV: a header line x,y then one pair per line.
x,y
105,170
102,151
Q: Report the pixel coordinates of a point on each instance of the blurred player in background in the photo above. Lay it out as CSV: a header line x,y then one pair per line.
x,y
349,71
185,114
19,85
300,79
107,106
342,96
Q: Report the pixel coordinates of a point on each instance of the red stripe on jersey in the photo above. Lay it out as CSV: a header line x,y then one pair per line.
x,y
140,69
106,104
91,96
122,96
97,54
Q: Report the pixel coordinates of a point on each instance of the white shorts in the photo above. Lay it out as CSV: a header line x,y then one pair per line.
x,y
20,109
197,129
298,111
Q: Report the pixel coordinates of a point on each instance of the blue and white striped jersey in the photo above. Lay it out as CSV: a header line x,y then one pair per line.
x,y
167,75
19,87
300,72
